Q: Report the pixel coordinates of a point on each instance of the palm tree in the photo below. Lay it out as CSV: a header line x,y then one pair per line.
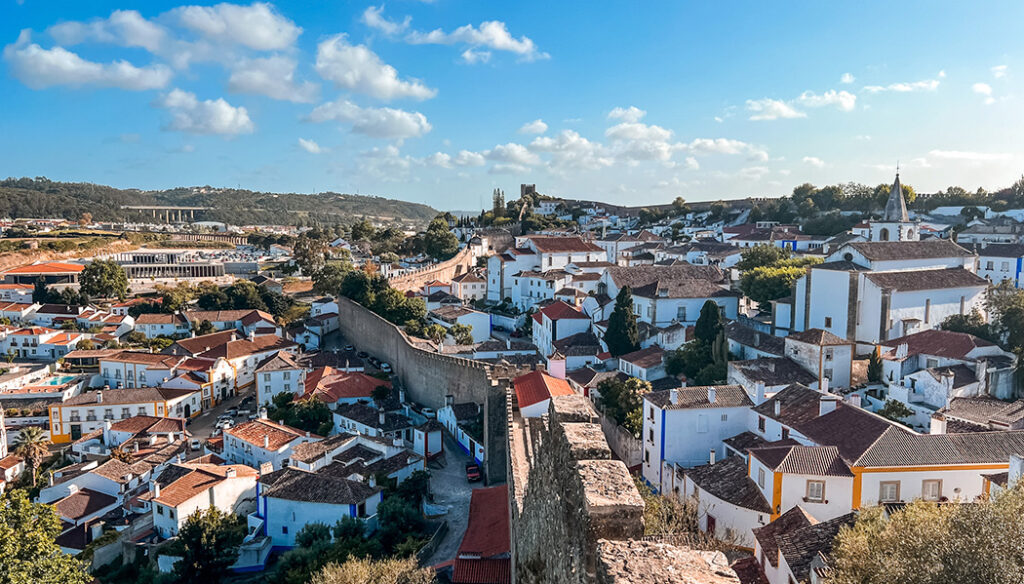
x,y
31,445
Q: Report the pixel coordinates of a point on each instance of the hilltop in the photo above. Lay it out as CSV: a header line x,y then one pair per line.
x,y
41,197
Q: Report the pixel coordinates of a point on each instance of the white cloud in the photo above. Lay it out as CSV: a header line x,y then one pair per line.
x,y
382,122
357,68
630,114
814,161
771,109
474,56
535,127
999,71
273,77
754,172
439,159
126,28
905,87
467,158
726,146
634,142
258,26
491,34
569,150
505,168
310,146
40,68
188,114
373,18
847,78
844,100
692,164
986,90
969,156
512,153
863,137
719,119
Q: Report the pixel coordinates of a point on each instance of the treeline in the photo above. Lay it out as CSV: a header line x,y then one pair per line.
x,y
41,197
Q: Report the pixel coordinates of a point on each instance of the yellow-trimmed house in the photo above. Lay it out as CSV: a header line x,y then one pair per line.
x,y
86,412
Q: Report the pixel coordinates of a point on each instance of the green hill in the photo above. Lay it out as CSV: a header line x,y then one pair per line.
x,y
41,197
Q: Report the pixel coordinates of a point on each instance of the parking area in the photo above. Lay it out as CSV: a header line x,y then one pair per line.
x,y
202,426
451,490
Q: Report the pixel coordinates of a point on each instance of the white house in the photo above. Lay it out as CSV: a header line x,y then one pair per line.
x,y
449,316
183,489
469,286
276,374
555,322
823,354
667,295
535,252
161,324
260,441
646,364
1000,262
686,426
534,391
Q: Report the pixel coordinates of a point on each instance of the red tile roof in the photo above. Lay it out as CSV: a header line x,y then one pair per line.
x,y
487,533
939,343
558,310
47,268
495,571
332,387
537,386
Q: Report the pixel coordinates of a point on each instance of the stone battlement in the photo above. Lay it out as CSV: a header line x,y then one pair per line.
x,y
576,513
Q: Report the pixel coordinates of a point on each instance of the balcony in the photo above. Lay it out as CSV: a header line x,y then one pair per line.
x,y
76,418
90,418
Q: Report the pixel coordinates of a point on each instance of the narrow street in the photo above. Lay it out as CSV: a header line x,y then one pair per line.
x,y
451,490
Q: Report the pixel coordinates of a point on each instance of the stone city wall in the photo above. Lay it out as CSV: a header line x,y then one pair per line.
x,y
577,516
442,272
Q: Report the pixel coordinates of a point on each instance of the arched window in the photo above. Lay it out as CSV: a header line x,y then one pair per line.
x,y
883,235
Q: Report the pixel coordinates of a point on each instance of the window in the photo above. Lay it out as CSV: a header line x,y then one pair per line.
x,y
284,529
681,313
785,433
760,477
931,490
988,265
142,411
760,423
287,387
650,435
650,415
159,510
287,375
828,322
266,377
828,374
889,492
815,492
829,354
1006,266
931,363
725,417
702,423
647,456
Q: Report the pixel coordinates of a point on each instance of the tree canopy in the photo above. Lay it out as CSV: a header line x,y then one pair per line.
x,y
623,335
29,553
439,242
210,540
104,279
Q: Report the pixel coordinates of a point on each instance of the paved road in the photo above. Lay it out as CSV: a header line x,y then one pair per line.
x,y
450,489
202,425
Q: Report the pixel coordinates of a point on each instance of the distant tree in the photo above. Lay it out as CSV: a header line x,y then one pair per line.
x,y
85,219
768,283
875,367
462,333
930,543
85,345
759,256
369,571
971,213
205,328
623,335
623,401
310,253
28,549
895,410
175,298
213,300
104,279
439,242
118,453
435,332
363,230
709,323
31,445
40,292
210,539
381,393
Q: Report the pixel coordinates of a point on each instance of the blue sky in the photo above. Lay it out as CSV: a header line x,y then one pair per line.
x,y
442,101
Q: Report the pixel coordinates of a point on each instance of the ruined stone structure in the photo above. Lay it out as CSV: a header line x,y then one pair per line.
x,y
443,271
577,516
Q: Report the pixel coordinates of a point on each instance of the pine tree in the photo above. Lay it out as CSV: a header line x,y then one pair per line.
x,y
720,349
875,367
623,336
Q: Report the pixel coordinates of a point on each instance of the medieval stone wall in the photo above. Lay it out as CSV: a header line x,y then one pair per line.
x,y
443,272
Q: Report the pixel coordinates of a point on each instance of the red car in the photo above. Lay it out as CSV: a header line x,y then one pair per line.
x,y
473,472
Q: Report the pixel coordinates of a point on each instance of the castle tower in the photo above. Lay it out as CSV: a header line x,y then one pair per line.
x,y
895,224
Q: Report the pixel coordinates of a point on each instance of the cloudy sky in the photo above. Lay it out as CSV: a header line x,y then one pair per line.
x,y
441,101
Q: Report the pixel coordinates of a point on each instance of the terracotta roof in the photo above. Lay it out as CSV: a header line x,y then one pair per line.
x,y
550,244
727,479
726,396
121,472
802,545
370,417
774,371
804,460
997,250
83,503
820,337
491,571
47,268
908,250
293,484
645,358
254,431
310,451
221,315
141,358
487,533
537,386
196,345
793,519
749,571
895,448
149,424
578,345
750,337
909,280
136,395
745,441
341,385
940,343
558,310
280,361
676,281
245,347
195,479
160,318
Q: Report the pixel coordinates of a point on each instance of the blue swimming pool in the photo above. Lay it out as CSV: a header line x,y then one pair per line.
x,y
58,380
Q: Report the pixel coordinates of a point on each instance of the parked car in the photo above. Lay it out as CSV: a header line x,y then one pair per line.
x,y
225,424
348,348
232,412
428,413
375,362
385,367
195,444
362,354
473,472
248,400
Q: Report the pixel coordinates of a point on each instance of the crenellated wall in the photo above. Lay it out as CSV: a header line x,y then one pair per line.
x,y
577,516
443,272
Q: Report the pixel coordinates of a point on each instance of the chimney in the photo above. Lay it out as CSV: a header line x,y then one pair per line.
x,y
155,489
96,530
673,395
711,457
826,404
712,395
230,473
758,393
938,424
99,397
107,424
266,441
252,335
778,407
855,400
398,442
307,435
823,384
381,416
51,479
508,343
373,481
263,412
449,400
